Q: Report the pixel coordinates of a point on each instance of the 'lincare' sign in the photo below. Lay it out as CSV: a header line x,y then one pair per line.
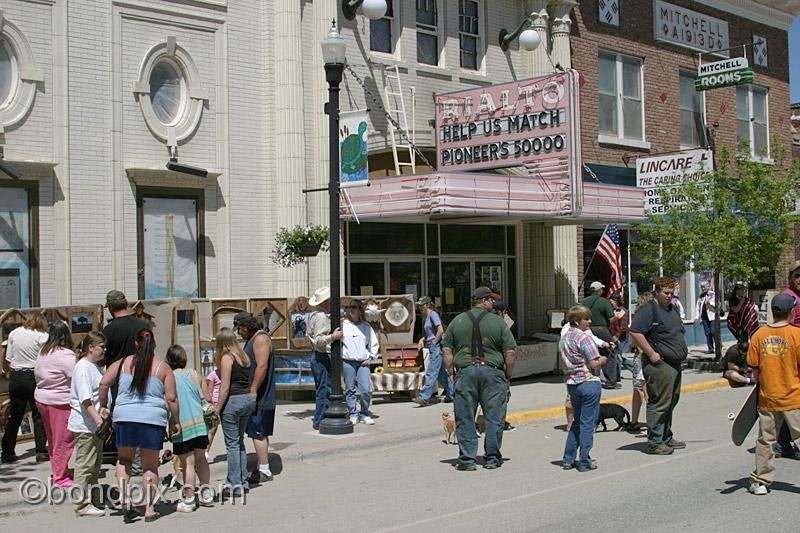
x,y
523,122
725,73
666,174
684,27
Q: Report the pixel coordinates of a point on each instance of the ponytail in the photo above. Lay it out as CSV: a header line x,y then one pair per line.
x,y
143,359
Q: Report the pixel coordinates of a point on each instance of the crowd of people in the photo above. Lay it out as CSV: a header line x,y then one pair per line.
x,y
113,390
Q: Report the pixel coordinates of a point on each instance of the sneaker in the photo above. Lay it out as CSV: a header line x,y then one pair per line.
x,y
757,488
584,468
466,467
509,427
8,459
567,466
617,385
42,457
676,444
206,498
367,420
186,506
448,399
354,420
425,403
90,510
258,477
660,449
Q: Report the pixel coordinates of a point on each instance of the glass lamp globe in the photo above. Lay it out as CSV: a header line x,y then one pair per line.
x,y
333,47
374,9
529,40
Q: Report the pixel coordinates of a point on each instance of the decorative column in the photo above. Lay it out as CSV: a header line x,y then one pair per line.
x,y
290,137
565,238
538,64
538,275
561,25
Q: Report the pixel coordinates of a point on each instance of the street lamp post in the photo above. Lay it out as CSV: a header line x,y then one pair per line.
x,y
337,420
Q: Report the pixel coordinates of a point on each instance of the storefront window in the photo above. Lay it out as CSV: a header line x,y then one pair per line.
x,y
405,278
473,239
433,239
433,278
511,240
15,255
367,279
385,238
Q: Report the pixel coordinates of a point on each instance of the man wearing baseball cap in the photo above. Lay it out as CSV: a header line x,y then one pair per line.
x,y
121,330
480,347
774,356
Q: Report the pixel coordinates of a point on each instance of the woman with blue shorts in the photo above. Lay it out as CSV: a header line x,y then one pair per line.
x,y
145,394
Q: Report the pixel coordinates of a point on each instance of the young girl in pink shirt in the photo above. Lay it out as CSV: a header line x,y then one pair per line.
x,y
211,392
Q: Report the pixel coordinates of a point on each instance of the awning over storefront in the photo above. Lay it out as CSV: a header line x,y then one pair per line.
x,y
488,196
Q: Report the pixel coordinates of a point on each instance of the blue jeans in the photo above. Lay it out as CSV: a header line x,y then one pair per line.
x,y
709,328
356,373
435,373
233,421
487,386
321,368
586,406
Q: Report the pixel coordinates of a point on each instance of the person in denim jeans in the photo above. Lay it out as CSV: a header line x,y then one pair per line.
x,y
236,404
580,363
359,348
435,372
319,333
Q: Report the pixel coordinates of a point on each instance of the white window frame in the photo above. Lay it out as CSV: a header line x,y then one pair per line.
x,y
395,28
188,120
620,138
25,75
689,74
437,32
750,89
480,48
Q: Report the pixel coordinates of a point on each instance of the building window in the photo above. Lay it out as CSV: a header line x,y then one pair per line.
x,y
760,51
609,12
621,102
18,75
469,34
18,275
8,73
167,91
428,32
752,120
692,132
383,32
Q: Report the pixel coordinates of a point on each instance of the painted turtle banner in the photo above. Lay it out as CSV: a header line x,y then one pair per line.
x,y
354,170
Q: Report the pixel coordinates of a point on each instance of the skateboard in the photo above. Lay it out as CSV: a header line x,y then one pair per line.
x,y
745,418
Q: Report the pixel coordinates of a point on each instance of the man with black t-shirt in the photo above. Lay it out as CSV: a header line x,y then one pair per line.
x,y
121,329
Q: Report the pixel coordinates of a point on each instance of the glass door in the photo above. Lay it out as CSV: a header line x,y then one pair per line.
x,y
456,288
405,277
367,278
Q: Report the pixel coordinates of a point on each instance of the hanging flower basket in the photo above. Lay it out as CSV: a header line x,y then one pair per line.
x,y
308,249
293,245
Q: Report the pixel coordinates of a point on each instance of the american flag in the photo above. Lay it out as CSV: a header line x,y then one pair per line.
x,y
608,249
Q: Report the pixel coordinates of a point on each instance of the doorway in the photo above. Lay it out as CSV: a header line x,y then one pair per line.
x,y
461,276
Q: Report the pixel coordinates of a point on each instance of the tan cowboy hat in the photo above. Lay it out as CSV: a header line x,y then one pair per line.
x,y
320,296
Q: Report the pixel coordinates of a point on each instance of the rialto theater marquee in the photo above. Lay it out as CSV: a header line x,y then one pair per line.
x,y
531,122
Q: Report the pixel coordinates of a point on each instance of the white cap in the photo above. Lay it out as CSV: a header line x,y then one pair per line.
x,y
597,286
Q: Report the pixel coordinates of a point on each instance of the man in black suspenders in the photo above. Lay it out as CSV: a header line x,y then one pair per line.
x,y
480,347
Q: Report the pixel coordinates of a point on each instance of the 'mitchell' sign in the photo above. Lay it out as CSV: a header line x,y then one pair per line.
x,y
723,74
684,27
532,122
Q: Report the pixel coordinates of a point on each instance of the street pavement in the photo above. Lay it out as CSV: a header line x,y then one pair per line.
x,y
398,475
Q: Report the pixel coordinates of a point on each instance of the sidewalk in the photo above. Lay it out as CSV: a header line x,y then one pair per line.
x,y
398,422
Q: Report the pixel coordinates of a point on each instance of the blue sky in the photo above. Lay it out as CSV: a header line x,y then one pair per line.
x,y
794,60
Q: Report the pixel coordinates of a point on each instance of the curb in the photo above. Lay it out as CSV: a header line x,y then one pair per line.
x,y
524,417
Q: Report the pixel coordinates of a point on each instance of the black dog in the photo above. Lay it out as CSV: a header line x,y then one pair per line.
x,y
617,412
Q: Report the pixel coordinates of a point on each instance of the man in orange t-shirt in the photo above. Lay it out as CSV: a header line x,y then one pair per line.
x,y
774,356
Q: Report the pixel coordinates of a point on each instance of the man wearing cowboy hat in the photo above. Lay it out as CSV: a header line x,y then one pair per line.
x,y
480,346
319,333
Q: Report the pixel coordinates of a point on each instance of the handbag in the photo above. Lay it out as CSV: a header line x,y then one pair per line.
x,y
105,432
210,416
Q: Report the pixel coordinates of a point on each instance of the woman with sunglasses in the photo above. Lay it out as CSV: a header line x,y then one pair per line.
x,y
359,347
